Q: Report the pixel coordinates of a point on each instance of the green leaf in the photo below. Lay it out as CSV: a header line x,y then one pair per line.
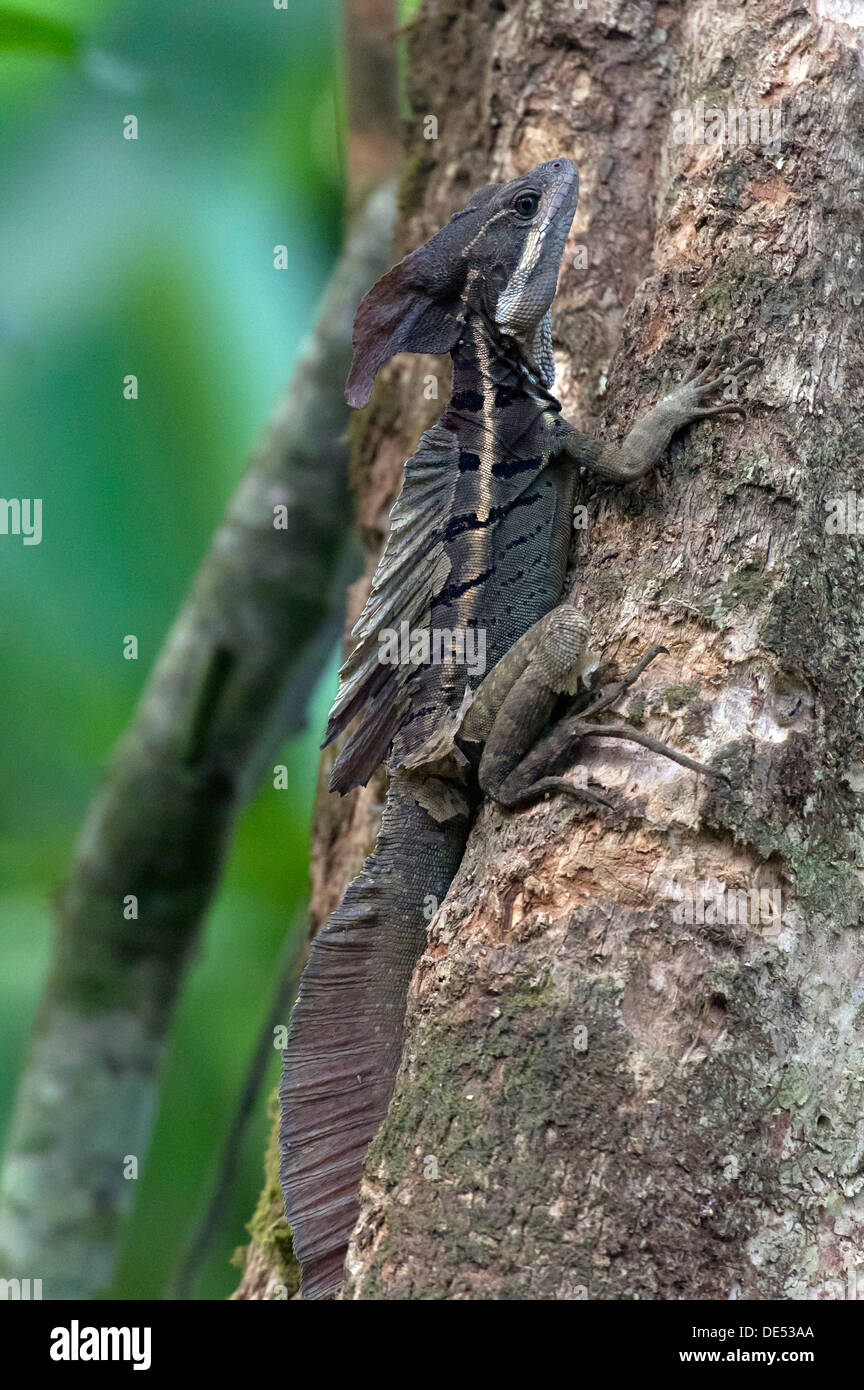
x,y
34,34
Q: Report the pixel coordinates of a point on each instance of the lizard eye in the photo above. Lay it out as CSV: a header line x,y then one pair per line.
x,y
526,204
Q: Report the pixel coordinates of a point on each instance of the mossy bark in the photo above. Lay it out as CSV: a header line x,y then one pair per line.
x,y
270,1269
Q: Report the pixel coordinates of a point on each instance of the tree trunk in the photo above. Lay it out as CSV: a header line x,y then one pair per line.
x,y
633,1067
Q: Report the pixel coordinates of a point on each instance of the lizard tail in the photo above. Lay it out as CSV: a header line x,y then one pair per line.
x,y
345,1040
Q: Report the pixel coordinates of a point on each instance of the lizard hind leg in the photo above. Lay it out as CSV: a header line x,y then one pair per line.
x,y
527,782
530,778
514,704
581,725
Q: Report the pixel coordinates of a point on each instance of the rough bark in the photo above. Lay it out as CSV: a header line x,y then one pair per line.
x,y
599,1097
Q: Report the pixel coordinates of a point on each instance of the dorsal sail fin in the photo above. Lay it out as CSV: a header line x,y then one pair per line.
x,y
412,570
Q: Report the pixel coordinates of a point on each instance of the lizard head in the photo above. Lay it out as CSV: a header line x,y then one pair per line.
x,y
498,257
528,245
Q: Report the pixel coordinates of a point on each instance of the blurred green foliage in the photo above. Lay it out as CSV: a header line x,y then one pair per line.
x,y
152,257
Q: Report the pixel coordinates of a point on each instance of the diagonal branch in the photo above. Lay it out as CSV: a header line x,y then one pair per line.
x,y
231,683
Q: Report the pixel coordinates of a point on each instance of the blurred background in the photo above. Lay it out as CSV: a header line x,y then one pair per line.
x,y
155,257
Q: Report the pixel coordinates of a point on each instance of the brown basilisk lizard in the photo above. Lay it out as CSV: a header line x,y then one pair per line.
x,y
478,545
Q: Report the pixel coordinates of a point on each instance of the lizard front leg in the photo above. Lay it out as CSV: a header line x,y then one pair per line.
x,y
652,432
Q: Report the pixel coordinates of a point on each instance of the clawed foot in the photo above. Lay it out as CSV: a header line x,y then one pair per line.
x,y
571,730
526,796
685,402
613,694
656,745
581,728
